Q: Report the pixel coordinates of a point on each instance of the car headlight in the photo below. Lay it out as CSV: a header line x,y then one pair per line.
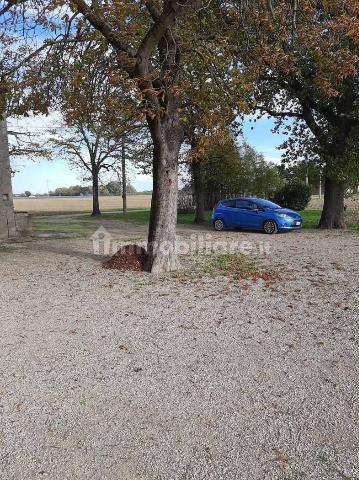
x,y
284,215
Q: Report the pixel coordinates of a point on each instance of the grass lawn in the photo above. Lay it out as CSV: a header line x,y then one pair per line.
x,y
54,213
79,229
310,218
143,216
82,226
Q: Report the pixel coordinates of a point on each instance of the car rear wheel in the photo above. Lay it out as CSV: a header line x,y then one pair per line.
x,y
218,225
270,227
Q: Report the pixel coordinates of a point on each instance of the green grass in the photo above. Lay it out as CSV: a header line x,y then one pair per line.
x,y
55,213
237,265
138,216
187,218
6,249
71,228
141,216
310,218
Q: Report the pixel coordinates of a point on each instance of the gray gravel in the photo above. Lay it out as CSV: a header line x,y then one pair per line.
x,y
107,375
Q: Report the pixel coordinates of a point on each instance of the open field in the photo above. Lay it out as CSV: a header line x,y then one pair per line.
x,y
126,376
80,204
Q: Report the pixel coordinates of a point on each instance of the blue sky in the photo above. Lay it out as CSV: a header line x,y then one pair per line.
x,y
39,176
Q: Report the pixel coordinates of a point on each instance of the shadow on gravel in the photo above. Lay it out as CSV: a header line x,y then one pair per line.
x,y
65,251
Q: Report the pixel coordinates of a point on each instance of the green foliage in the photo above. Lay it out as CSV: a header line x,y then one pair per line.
x,y
232,169
313,97
73,191
115,188
27,193
300,171
294,195
110,189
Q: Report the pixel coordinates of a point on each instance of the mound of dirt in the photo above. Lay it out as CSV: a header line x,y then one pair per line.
x,y
129,257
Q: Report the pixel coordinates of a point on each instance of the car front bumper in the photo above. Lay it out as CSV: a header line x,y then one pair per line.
x,y
290,225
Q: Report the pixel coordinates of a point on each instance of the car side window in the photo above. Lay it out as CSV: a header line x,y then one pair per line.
x,y
229,204
243,204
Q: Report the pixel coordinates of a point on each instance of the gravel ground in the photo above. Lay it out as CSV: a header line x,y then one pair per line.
x,y
109,375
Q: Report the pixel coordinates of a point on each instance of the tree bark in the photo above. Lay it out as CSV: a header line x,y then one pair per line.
x,y
167,138
124,178
7,214
198,185
333,209
95,194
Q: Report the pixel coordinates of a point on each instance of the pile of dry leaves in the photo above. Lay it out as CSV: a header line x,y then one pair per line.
x,y
128,257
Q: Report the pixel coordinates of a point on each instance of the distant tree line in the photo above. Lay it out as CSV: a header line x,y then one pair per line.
x,y
109,189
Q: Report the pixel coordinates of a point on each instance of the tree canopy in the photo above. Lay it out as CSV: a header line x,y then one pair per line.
x,y
303,58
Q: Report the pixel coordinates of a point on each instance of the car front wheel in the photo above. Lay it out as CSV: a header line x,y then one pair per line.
x,y
219,225
270,227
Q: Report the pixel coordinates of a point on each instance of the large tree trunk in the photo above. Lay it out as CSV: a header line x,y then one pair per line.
x,y
124,179
198,186
167,137
333,209
95,194
7,215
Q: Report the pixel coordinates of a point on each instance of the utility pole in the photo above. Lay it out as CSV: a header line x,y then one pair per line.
x,y
124,180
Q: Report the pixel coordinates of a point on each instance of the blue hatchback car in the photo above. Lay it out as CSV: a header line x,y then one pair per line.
x,y
254,214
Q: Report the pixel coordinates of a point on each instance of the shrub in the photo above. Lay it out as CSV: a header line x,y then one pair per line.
x,y
295,195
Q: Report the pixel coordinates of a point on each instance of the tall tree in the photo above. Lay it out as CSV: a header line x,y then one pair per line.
x,y
26,36
210,110
124,176
89,149
154,42
230,169
15,54
97,110
303,57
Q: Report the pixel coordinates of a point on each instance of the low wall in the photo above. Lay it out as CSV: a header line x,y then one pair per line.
x,y
23,222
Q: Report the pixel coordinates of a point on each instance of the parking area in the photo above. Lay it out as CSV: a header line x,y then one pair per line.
x,y
122,375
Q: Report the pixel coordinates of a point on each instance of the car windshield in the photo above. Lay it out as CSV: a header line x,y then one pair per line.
x,y
266,204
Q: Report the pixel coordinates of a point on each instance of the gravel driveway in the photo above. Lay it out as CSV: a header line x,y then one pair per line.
x,y
124,376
